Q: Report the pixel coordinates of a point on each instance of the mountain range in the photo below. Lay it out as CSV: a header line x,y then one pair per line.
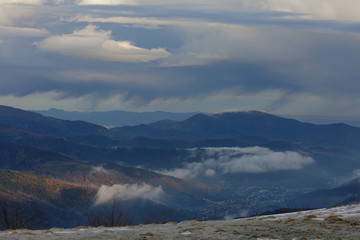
x,y
205,167
252,126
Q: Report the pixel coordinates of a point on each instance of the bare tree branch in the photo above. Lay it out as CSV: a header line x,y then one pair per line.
x,y
110,216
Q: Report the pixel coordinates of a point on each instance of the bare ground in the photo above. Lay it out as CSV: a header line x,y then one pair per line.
x,y
332,223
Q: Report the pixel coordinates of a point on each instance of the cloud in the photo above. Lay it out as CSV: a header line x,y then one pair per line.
x,y
99,170
259,160
190,170
216,42
110,78
143,22
271,45
61,100
356,173
326,10
206,41
22,32
90,42
239,160
10,14
210,172
106,2
69,2
28,2
330,9
128,192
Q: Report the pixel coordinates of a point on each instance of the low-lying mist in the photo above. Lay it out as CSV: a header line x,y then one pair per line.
x,y
128,192
238,160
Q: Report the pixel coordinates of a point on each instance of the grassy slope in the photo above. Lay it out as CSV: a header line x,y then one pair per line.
x,y
334,223
53,191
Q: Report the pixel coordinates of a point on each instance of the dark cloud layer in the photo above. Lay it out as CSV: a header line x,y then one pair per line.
x,y
273,55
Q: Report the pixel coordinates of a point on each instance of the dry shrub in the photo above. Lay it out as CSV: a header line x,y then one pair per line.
x,y
334,219
310,217
148,234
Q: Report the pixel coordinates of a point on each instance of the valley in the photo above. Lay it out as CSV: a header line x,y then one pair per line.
x,y
207,167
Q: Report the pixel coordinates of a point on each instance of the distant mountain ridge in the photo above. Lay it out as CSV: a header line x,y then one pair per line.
x,y
224,129
251,126
116,118
46,125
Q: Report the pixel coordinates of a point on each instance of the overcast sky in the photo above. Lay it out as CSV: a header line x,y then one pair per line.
x,y
298,57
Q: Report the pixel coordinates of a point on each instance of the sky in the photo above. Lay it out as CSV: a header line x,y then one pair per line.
x,y
290,57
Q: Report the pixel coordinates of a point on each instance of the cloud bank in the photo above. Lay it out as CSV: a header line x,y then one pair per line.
x,y
207,41
330,9
90,42
128,192
239,160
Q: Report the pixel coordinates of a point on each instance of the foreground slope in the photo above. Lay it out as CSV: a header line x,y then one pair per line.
x,y
332,223
42,201
47,189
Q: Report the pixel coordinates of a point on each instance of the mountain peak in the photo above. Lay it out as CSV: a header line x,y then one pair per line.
x,y
242,113
200,116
